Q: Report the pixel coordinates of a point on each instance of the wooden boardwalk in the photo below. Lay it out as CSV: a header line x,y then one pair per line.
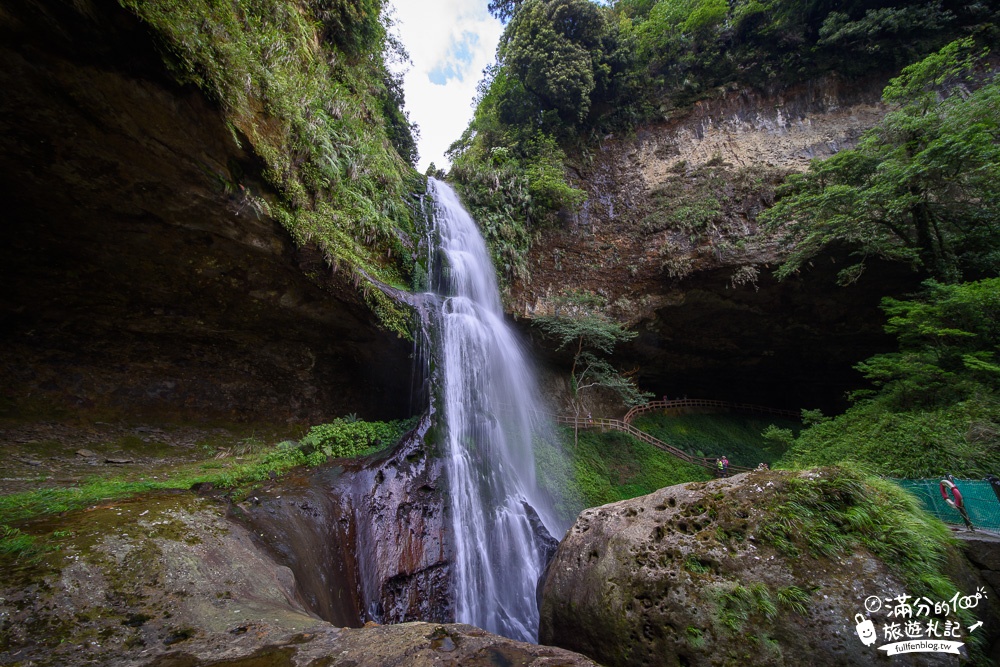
x,y
721,406
625,427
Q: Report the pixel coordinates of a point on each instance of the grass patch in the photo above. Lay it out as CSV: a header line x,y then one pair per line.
x,y
840,509
604,468
793,598
235,473
15,543
737,436
738,605
959,438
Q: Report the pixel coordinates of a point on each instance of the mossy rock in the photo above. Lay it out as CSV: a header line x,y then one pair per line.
x,y
763,568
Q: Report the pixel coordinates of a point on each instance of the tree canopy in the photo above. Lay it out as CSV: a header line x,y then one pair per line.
x,y
923,186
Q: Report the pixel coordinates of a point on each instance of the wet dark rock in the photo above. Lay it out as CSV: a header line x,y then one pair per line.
x,y
547,544
366,541
135,287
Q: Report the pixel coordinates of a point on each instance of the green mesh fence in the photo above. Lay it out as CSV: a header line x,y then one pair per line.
x,y
980,501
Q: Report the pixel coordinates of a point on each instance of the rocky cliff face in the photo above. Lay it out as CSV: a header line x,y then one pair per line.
x,y
669,237
142,277
367,541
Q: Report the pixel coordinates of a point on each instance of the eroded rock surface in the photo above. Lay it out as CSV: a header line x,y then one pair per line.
x,y
169,581
140,281
685,576
133,578
367,541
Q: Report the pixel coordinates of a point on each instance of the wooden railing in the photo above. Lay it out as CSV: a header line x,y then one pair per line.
x,y
625,427
705,403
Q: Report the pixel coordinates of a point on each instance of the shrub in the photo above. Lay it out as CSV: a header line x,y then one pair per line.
x,y
342,438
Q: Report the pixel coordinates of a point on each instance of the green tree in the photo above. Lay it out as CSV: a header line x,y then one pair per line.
x,y
922,187
503,9
935,406
949,342
577,325
556,49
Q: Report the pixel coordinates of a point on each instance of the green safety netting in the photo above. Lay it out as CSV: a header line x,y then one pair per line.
x,y
981,502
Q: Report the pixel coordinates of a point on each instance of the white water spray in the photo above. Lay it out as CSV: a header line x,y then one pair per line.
x,y
490,407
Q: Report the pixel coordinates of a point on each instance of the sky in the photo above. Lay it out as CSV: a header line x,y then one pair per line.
x,y
450,42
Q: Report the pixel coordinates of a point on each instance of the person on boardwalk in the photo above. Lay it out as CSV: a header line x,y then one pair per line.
x,y
725,466
718,467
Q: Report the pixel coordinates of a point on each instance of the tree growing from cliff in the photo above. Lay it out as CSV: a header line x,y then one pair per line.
x,y
579,326
922,187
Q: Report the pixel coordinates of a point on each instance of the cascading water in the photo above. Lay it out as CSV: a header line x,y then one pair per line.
x,y
490,405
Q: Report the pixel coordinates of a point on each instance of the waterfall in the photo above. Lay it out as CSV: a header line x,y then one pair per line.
x,y
489,404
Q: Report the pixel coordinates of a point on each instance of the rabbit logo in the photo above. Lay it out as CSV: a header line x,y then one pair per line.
x,y
866,630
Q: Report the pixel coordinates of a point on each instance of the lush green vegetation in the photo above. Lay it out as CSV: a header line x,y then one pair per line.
x,y
568,72
740,437
935,406
305,86
689,47
349,436
922,186
835,510
341,438
604,468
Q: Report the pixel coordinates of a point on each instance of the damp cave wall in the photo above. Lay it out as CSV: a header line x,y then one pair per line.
x,y
136,285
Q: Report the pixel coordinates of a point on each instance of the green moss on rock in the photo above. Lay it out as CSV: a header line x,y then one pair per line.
x,y
313,110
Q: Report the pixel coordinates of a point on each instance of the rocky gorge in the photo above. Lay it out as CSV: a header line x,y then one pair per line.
x,y
158,311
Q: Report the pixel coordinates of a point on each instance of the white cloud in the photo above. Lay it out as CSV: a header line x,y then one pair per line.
x,y
450,42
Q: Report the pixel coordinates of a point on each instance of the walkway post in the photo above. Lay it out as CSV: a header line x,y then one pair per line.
x,y
995,485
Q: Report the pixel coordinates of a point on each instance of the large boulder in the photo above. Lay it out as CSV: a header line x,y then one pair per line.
x,y
764,568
